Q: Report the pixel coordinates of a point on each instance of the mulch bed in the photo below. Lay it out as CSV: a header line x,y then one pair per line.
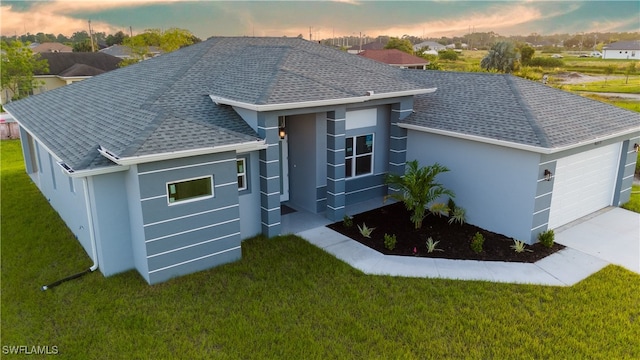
x,y
454,239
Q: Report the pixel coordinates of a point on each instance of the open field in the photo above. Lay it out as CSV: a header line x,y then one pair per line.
x,y
287,299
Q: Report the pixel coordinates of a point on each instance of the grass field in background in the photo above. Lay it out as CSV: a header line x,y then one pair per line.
x,y
287,299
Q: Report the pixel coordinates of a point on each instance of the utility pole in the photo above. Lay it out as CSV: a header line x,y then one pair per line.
x,y
93,49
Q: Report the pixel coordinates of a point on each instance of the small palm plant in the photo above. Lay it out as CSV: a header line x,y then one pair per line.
x,y
519,246
417,188
365,231
431,245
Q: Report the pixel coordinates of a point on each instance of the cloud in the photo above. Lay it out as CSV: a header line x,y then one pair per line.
x,y
57,17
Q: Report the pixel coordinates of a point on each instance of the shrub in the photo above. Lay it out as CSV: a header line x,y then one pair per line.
x,y
365,231
545,62
546,238
477,242
347,221
448,55
638,164
390,241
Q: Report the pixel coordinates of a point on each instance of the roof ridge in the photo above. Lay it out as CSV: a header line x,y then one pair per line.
x,y
541,135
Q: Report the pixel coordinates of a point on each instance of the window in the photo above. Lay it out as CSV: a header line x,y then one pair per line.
x,y
190,190
359,155
242,174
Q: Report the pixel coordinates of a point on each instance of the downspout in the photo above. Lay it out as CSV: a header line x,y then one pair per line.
x,y
92,238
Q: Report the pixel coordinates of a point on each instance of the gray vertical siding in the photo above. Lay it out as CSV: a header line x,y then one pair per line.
x,y
185,237
496,185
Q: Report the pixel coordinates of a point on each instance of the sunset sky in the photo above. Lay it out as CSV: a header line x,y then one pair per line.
x,y
323,19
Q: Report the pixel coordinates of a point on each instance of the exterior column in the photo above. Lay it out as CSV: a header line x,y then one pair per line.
x,y
398,139
269,175
336,121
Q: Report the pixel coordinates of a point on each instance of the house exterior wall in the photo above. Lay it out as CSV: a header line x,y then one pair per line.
x,y
48,82
621,54
628,159
189,236
362,188
303,145
136,222
111,224
624,177
249,199
65,194
495,185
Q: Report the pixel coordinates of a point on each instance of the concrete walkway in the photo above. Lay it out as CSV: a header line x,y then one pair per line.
x,y
611,236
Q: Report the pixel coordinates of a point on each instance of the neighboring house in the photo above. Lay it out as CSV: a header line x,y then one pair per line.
x,y
51,47
166,165
125,52
629,50
397,58
67,68
356,49
432,45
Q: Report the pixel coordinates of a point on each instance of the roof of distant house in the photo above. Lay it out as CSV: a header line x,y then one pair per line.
x,y
624,45
431,44
394,57
79,63
51,47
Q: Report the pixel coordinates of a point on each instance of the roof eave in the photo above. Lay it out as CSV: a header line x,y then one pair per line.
x,y
131,160
318,103
514,145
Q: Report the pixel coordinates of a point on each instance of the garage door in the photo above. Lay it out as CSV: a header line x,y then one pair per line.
x,y
583,183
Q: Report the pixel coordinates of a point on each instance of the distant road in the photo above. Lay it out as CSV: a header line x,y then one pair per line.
x,y
618,95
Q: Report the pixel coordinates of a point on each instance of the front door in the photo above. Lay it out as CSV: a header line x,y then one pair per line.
x,y
284,169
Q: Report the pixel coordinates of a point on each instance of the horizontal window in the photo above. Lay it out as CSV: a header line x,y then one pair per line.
x,y
190,190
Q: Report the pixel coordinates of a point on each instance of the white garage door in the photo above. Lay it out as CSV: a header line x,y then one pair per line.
x,y
584,183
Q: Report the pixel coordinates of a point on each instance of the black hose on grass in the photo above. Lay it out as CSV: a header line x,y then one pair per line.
x,y
74,276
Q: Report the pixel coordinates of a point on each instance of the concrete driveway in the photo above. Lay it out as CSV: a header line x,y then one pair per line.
x,y
612,234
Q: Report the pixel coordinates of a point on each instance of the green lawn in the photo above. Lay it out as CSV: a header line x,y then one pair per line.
x,y
614,85
286,299
634,202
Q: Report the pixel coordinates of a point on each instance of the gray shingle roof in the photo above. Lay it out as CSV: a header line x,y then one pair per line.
x,y
61,62
624,45
162,104
509,108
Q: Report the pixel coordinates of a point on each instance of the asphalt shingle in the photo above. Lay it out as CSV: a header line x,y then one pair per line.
x,y
509,108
